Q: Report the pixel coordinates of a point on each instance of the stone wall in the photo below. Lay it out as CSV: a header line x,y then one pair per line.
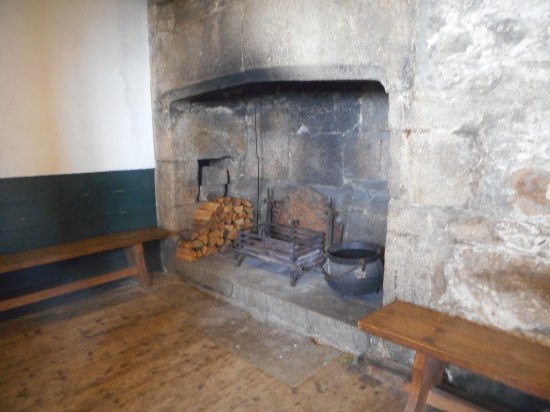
x,y
469,232
468,124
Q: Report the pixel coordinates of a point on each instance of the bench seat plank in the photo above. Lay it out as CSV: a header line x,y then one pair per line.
x,y
50,254
495,354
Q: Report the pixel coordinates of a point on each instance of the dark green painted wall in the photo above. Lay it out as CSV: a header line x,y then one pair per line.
x,y
47,210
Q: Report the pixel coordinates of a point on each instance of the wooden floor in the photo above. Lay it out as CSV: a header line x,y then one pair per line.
x,y
119,347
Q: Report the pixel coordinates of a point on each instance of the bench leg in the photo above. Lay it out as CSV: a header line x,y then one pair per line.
x,y
134,255
426,373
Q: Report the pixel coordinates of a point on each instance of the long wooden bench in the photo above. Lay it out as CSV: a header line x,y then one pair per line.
x,y
440,339
131,241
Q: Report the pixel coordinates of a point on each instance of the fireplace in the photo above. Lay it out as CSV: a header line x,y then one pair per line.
x,y
394,109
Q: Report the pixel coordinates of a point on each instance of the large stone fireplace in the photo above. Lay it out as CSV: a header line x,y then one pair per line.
x,y
425,121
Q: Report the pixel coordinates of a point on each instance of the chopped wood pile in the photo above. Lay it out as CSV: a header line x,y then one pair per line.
x,y
215,227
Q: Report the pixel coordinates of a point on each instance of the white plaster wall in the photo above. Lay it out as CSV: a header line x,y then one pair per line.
x,y
74,87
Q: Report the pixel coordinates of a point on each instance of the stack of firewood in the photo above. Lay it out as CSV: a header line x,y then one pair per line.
x,y
215,227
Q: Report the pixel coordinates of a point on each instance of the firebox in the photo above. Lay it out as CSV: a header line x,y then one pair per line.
x,y
331,136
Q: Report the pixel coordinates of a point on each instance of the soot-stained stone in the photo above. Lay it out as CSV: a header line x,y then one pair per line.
x,y
365,226
189,11
209,132
362,157
374,110
274,156
325,112
316,159
213,175
274,134
199,46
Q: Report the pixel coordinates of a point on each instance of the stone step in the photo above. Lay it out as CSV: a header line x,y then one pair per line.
x,y
310,308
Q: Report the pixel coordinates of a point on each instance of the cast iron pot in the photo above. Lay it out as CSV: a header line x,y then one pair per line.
x,y
354,268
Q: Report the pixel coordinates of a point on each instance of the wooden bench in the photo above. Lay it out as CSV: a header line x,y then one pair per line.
x,y
440,339
131,241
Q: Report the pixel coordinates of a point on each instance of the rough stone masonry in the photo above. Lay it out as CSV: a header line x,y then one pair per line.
x,y
468,123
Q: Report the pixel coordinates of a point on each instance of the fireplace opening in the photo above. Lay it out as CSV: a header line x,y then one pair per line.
x,y
213,178
332,136
329,136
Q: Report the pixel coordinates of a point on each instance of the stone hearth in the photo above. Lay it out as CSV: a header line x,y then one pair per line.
x,y
310,308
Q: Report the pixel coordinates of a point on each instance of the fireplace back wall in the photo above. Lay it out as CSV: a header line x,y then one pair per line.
x,y
332,136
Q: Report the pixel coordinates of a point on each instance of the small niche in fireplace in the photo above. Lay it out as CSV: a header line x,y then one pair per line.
x,y
213,178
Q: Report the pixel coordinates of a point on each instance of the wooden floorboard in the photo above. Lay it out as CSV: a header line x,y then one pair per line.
x,y
127,349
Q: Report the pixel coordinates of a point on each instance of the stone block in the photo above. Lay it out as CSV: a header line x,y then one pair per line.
x,y
205,132
437,168
433,112
422,263
316,160
198,48
324,112
373,186
161,16
246,187
213,175
180,194
189,11
164,150
418,246
175,218
323,32
359,224
499,287
168,253
374,109
210,192
275,155
176,183
532,187
385,157
363,212
379,204
366,153
234,166
362,156
471,228
415,220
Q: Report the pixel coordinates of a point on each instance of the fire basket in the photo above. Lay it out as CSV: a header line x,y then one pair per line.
x,y
291,245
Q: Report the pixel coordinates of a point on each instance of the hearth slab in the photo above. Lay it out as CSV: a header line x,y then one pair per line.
x,y
310,308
